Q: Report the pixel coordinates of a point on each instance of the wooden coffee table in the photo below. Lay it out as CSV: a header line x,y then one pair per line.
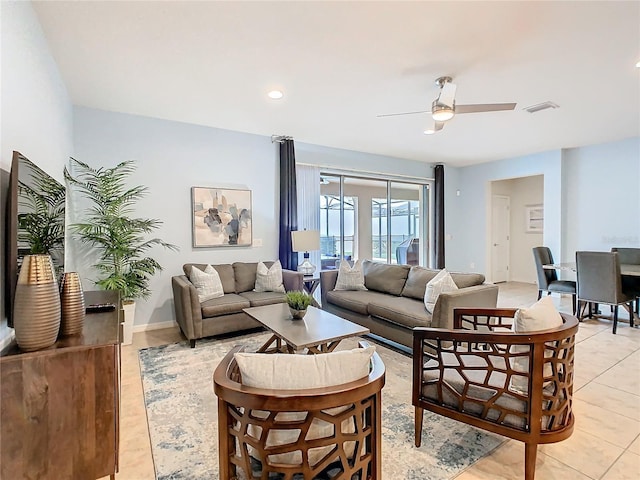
x,y
318,331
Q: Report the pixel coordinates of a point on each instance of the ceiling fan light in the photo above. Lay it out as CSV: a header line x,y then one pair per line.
x,y
441,113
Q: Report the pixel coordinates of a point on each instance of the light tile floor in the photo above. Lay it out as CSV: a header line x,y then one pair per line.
x,y
606,439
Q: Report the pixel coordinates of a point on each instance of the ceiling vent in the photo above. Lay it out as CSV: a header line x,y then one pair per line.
x,y
540,106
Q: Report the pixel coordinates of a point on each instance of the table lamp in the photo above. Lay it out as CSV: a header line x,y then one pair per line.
x,y
304,241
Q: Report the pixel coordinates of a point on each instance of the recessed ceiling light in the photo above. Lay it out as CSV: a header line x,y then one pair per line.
x,y
275,94
638,65
429,131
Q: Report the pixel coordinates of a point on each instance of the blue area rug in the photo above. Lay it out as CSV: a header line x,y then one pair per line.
x,y
182,416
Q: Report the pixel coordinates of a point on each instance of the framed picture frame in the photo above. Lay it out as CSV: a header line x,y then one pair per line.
x,y
534,218
221,217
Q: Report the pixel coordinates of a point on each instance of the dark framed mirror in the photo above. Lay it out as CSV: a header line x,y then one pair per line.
x,y
35,221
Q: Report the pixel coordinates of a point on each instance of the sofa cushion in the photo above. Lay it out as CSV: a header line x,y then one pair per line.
x,y
269,279
225,271
245,276
350,277
400,310
230,303
385,278
354,300
417,282
207,283
441,283
464,280
258,299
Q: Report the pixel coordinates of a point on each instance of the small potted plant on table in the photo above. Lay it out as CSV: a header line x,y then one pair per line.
x,y
298,303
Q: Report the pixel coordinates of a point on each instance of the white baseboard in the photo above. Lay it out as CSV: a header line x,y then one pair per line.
x,y
154,326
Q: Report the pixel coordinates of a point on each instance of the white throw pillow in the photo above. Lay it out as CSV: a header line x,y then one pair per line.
x,y
441,283
292,372
542,315
350,278
269,279
207,283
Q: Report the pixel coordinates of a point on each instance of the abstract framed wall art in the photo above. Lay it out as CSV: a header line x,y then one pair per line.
x,y
221,217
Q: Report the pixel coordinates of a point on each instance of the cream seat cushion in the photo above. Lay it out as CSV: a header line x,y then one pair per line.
x,y
293,372
207,283
441,283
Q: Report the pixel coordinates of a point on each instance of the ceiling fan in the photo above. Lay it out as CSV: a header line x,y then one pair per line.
x,y
444,107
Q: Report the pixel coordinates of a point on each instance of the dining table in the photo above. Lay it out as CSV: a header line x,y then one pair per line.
x,y
629,269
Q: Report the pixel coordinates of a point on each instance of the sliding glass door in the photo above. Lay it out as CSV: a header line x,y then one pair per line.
x,y
381,220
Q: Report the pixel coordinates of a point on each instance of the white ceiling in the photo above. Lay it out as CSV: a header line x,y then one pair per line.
x,y
342,63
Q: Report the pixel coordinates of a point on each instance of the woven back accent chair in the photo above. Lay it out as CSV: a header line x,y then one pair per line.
x,y
468,374
349,416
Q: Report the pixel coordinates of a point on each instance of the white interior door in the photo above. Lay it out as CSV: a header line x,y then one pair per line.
x,y
500,238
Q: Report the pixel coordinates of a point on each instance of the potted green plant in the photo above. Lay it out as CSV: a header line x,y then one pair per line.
x,y
298,303
120,239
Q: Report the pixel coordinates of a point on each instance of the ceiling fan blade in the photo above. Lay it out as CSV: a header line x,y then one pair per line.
x,y
484,107
447,94
404,113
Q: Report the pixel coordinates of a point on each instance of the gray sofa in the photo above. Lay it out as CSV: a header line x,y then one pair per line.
x,y
224,315
394,302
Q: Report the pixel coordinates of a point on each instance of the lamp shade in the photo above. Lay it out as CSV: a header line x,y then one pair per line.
x,y
305,240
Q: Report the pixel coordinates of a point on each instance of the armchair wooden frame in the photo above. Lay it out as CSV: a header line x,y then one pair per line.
x,y
243,411
467,374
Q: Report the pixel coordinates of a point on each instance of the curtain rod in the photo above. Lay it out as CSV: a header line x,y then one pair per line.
x,y
280,138
331,169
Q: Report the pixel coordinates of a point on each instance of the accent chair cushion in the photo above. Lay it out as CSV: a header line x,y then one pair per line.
x,y
441,283
385,278
542,315
293,372
269,279
207,283
350,277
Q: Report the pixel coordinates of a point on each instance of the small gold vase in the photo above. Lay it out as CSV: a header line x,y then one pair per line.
x,y
72,304
36,309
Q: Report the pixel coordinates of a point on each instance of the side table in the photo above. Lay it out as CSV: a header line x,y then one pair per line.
x,y
310,283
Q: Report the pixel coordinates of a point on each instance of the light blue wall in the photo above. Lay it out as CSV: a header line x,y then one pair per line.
x,y
466,215
602,197
360,161
172,157
591,201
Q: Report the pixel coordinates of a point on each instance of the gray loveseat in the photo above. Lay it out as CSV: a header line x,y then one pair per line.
x,y
394,302
224,315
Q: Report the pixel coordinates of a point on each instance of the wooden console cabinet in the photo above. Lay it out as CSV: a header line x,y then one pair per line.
x,y
59,406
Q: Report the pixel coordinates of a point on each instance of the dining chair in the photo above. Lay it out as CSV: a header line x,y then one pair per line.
x,y
548,278
600,281
629,283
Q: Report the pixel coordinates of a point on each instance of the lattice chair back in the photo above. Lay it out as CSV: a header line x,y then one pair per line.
x,y
324,433
482,374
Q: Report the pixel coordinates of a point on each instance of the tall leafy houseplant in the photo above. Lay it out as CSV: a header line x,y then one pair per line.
x,y
108,226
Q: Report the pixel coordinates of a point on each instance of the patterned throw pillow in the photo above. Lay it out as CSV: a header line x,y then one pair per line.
x,y
350,278
441,283
269,279
542,315
207,283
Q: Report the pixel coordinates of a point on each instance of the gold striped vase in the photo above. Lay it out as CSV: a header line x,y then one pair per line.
x,y
36,309
72,304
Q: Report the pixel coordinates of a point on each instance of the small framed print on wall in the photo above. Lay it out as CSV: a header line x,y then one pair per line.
x,y
221,217
534,219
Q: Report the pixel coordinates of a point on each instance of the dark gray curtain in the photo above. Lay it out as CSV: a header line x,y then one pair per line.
x,y
439,216
288,204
